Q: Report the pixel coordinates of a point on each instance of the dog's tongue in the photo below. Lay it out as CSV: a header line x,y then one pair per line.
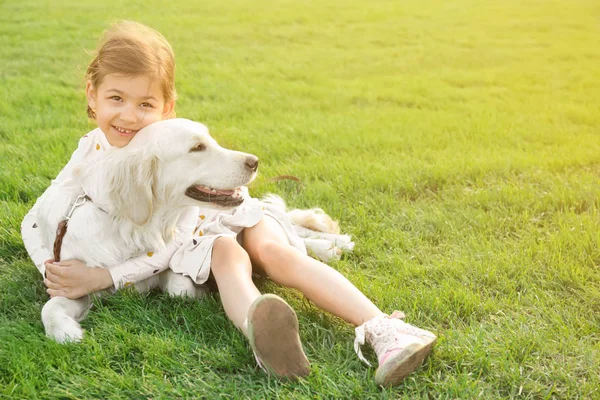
x,y
204,189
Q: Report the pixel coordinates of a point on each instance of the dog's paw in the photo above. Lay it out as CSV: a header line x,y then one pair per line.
x,y
64,330
181,287
178,285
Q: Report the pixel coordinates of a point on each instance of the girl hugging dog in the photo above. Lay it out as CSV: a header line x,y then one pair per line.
x,y
131,85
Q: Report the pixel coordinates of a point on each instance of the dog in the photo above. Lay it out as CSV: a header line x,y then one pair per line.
x,y
137,194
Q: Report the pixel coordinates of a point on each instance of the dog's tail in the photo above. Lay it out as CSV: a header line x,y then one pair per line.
x,y
314,219
320,232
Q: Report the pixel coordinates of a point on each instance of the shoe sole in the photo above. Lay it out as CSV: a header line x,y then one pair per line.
x,y
400,365
273,335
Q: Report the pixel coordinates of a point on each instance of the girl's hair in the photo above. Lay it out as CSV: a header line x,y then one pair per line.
x,y
130,48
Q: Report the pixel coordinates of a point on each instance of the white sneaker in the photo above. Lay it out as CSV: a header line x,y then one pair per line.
x,y
400,347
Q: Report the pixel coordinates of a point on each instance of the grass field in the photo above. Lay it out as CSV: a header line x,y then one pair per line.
x,y
458,142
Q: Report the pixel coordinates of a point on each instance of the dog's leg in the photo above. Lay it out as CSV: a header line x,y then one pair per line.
x,y
180,285
147,284
60,317
322,250
344,242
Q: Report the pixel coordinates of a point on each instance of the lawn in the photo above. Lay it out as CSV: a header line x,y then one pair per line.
x,y
457,141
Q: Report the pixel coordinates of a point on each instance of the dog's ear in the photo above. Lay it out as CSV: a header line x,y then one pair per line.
x,y
131,185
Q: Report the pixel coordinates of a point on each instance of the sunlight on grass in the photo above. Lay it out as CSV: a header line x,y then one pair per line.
x,y
457,141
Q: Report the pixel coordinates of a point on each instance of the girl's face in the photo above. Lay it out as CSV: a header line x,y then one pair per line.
x,y
125,104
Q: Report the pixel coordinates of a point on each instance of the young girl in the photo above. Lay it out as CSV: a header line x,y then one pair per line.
x,y
130,85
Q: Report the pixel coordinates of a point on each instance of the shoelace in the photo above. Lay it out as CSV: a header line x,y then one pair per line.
x,y
360,335
359,341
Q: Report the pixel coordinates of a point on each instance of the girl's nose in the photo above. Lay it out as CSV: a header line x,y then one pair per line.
x,y
129,114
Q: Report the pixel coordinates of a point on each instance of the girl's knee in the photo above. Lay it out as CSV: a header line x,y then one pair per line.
x,y
275,252
225,243
280,262
229,256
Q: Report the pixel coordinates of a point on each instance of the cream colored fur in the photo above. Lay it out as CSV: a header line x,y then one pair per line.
x,y
138,194
320,232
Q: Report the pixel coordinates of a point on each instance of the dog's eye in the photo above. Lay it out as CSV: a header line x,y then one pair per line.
x,y
198,147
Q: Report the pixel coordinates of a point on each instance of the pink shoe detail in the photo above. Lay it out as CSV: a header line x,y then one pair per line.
x,y
400,347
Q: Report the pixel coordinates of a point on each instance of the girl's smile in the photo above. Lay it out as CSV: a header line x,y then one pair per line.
x,y
124,134
123,131
125,104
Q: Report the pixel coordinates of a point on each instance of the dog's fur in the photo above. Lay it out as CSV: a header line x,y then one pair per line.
x,y
138,193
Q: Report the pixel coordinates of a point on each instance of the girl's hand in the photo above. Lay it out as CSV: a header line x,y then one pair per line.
x,y
73,279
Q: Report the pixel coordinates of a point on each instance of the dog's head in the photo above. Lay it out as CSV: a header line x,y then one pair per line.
x,y
171,163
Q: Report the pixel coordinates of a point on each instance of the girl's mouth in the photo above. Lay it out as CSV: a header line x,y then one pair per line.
x,y
124,132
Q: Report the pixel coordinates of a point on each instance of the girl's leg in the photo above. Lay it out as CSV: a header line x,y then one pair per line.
x,y
232,270
269,249
400,347
267,321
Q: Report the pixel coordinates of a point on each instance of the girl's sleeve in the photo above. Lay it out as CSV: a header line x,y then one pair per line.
x,y
142,267
32,236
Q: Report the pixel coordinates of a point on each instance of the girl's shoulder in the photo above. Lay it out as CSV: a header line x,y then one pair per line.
x,y
93,142
91,136
91,145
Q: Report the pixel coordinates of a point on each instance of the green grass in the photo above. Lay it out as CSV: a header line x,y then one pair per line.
x,y
457,141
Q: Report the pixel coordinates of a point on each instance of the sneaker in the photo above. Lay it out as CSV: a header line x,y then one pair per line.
x,y
400,347
273,336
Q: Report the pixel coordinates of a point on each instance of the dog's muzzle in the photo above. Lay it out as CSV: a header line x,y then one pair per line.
x,y
225,198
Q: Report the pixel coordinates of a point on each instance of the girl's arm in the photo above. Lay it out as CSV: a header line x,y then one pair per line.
x,y
73,278
142,267
32,236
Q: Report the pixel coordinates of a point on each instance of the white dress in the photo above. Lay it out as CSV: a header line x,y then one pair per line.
x,y
190,251
193,258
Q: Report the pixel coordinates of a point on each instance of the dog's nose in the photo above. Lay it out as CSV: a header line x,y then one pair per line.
x,y
252,163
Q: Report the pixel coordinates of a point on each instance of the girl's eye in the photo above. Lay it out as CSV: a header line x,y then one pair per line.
x,y
147,105
116,98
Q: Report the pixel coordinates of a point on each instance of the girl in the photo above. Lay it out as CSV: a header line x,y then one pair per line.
x,y
130,85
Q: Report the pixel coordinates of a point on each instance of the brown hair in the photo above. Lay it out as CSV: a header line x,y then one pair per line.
x,y
130,48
